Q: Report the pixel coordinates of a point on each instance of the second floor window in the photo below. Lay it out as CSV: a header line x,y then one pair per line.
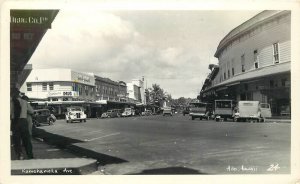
x,y
51,86
29,87
44,86
275,53
255,55
243,62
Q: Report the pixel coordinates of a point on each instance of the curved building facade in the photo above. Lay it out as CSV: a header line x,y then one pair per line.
x,y
254,63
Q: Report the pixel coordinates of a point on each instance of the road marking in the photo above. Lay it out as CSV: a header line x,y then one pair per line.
x,y
94,131
101,137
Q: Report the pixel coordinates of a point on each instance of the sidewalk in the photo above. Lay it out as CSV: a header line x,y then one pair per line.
x,y
278,120
49,159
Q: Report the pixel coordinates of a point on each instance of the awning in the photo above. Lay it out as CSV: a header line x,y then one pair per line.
x,y
256,74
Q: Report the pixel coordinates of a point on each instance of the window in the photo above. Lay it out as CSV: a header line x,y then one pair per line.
x,y
255,55
51,86
44,85
29,86
243,62
275,53
271,83
232,71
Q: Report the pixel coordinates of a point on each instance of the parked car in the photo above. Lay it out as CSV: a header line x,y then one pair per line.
x,y
75,114
223,109
200,110
42,116
186,110
265,109
146,113
248,111
128,112
104,115
167,111
113,113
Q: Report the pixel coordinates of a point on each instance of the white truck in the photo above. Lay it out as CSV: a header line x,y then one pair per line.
x,y
252,110
75,114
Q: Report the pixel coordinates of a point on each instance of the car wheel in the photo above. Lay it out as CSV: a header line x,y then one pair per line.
x,y
200,118
217,119
193,118
235,119
50,122
80,120
84,120
67,121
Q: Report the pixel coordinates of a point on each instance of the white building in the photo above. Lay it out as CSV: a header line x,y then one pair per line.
x,y
136,90
59,85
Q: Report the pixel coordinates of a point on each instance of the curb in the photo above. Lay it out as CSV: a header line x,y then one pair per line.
x,y
65,166
69,143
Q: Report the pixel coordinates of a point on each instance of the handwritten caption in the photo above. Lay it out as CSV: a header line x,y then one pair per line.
x,y
243,168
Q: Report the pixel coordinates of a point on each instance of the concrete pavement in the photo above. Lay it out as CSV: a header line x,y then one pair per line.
x,y
175,145
51,160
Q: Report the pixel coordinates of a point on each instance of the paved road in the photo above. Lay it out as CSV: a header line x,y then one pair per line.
x,y
178,145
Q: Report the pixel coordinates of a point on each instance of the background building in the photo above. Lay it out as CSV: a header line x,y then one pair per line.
x,y
136,90
254,63
59,85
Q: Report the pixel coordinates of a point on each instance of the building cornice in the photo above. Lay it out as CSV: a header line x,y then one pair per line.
x,y
250,24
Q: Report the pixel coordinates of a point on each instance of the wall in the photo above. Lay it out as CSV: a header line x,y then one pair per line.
x,y
261,39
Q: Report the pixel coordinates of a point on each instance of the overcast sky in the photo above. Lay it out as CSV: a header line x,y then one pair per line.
x,y
170,48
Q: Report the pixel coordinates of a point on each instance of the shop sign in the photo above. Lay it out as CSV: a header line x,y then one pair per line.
x,y
32,18
62,93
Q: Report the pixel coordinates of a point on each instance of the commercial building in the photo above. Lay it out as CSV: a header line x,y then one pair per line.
x,y
254,63
60,88
136,90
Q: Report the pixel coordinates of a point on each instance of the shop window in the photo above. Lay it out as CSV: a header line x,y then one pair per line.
x,y
275,53
246,87
44,86
51,86
285,82
255,55
271,83
29,86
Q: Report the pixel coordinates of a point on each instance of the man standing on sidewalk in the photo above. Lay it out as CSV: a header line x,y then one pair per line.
x,y
19,125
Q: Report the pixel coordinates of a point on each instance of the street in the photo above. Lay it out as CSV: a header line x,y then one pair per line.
x,y
177,145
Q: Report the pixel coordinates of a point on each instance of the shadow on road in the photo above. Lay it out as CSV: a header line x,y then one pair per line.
x,y
169,171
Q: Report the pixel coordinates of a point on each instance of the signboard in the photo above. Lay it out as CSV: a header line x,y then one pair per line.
x,y
63,94
83,78
32,18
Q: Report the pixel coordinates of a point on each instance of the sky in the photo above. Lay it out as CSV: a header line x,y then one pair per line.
x,y
172,48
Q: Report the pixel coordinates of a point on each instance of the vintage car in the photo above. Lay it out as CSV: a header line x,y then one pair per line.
x,y
223,109
128,112
251,110
75,114
113,113
167,111
200,110
42,116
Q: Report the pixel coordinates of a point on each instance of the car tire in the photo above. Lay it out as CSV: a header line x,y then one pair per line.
x,y
84,120
235,119
81,121
50,122
193,118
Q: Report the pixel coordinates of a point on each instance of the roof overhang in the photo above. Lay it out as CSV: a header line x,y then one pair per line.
x,y
255,74
27,28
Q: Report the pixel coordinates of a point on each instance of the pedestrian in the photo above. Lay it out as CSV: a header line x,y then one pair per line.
x,y
30,113
19,125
